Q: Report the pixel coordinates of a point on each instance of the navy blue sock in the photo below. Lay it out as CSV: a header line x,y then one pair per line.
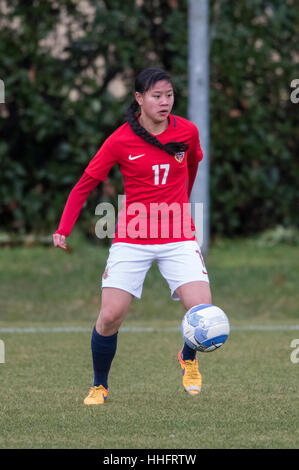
x,y
103,350
188,353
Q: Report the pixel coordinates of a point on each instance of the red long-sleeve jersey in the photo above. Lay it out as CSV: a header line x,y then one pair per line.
x,y
157,185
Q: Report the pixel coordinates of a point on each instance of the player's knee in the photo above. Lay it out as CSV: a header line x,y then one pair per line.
x,y
202,296
107,316
205,294
108,320
201,299
196,297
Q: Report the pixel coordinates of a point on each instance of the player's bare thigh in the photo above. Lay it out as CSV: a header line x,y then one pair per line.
x,y
194,293
114,307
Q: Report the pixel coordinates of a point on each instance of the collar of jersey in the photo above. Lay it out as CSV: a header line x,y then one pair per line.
x,y
171,124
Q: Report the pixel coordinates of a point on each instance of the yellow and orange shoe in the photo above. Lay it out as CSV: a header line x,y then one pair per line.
x,y
191,376
97,396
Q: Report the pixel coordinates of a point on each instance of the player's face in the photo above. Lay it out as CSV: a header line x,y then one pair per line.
x,y
157,102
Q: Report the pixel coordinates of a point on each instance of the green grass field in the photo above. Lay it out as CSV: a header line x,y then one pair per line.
x,y
250,386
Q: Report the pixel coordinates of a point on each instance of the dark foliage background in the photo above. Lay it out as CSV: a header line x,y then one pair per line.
x,y
59,61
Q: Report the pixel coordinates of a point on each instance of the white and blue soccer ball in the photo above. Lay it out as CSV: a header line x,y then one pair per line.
x,y
205,327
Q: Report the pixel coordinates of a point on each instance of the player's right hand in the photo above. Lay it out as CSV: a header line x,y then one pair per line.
x,y
59,241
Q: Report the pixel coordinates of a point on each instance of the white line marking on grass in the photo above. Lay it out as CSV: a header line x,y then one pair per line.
x,y
59,329
137,329
266,327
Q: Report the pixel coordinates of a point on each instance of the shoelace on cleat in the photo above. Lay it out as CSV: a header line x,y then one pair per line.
x,y
93,390
191,370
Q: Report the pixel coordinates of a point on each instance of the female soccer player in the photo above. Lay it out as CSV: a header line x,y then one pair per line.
x,y
158,154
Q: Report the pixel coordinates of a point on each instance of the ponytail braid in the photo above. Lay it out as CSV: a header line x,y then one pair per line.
x,y
171,147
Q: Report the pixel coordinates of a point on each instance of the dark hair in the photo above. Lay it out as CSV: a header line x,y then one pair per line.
x,y
144,81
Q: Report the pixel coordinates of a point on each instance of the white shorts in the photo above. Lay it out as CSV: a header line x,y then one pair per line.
x,y
178,262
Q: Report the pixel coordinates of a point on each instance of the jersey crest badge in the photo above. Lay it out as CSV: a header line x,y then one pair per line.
x,y
179,156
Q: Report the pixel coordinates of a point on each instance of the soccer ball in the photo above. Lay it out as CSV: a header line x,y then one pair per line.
x,y
205,327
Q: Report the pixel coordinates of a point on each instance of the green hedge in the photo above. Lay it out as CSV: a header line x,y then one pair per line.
x,y
254,145
48,137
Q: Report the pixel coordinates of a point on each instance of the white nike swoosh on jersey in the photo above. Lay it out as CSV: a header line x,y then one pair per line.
x,y
137,156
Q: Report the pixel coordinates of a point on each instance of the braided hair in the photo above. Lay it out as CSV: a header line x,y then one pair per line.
x,y
144,81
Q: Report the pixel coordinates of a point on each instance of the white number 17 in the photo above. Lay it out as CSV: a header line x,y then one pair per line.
x,y
156,169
